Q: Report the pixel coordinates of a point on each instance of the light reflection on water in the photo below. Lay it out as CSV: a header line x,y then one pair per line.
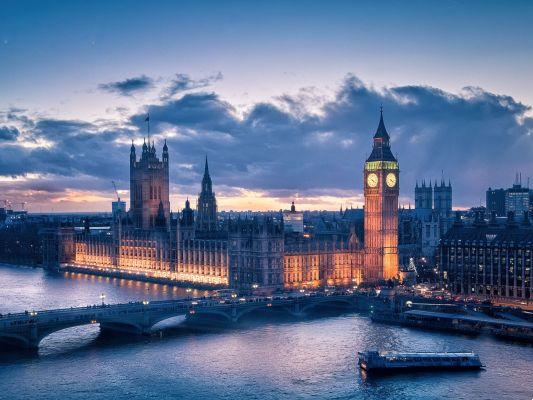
x,y
313,358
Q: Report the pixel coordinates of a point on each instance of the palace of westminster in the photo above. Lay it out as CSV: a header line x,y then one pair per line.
x,y
242,253
276,252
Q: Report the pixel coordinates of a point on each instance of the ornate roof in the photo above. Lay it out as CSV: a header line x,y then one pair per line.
x,y
381,150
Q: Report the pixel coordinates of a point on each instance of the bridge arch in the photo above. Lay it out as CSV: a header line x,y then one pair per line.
x,y
14,341
325,301
249,310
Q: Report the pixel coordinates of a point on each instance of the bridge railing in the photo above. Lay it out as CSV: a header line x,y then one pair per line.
x,y
153,305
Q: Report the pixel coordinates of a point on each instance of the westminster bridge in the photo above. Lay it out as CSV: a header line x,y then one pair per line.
x,y
26,330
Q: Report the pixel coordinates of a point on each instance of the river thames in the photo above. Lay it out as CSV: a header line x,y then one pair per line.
x,y
258,359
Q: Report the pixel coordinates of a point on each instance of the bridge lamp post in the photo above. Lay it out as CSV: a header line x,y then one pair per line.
x,y
145,302
102,297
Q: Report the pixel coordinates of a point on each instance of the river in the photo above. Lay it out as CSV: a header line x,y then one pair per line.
x,y
313,358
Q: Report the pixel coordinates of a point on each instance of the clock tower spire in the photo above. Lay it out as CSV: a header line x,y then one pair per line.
x,y
381,175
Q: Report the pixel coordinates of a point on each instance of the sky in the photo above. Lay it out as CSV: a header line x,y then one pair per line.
x,y
282,96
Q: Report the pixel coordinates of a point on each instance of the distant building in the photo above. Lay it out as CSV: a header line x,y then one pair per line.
x,y
442,204
488,259
118,208
495,201
517,199
293,221
423,199
433,209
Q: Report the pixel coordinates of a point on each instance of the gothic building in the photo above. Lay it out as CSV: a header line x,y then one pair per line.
x,y
149,191
442,199
206,220
433,209
381,177
238,253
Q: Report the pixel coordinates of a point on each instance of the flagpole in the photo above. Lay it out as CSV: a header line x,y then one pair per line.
x,y
148,121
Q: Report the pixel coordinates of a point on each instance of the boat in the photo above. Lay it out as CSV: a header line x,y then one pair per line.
x,y
375,361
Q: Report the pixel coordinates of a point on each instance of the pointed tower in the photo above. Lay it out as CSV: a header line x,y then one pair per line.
x,y
207,204
165,152
160,220
186,224
149,188
381,177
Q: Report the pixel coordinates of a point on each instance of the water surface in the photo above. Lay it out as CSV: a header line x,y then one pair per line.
x,y
272,359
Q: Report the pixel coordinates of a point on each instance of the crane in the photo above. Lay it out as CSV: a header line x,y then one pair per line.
x,y
116,191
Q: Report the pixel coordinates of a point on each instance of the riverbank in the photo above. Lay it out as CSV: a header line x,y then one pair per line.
x,y
458,319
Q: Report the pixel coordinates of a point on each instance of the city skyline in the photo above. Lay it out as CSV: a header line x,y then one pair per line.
x,y
298,131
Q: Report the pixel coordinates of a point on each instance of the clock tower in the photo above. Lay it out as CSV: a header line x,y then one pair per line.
x,y
381,179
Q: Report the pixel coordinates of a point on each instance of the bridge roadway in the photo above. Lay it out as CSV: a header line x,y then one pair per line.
x,y
26,330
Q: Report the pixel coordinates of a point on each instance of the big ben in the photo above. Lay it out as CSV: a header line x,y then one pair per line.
x,y
381,180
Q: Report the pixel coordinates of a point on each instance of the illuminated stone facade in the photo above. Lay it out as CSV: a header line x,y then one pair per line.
x,y
238,253
149,188
381,180
316,263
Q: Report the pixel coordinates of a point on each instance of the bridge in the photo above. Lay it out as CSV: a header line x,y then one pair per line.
x,y
26,330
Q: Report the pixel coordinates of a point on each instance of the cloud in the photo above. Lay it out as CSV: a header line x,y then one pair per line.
x,y
8,133
303,146
128,87
183,82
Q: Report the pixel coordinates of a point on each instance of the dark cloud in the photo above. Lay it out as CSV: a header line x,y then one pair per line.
x,y
183,82
8,133
478,138
128,86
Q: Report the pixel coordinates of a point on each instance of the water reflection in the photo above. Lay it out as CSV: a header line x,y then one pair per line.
x,y
262,358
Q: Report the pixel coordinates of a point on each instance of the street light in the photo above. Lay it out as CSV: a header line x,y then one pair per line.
x,y
146,302
102,297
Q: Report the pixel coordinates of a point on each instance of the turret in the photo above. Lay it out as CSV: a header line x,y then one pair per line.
x,y
186,223
165,152
133,157
206,180
207,205
145,147
160,220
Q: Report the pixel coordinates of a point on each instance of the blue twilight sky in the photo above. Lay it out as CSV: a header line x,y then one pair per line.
x,y
283,96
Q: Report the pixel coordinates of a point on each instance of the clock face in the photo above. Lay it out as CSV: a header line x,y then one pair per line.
x,y
372,180
391,180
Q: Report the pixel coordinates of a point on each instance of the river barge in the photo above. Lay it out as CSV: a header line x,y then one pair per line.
x,y
384,362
